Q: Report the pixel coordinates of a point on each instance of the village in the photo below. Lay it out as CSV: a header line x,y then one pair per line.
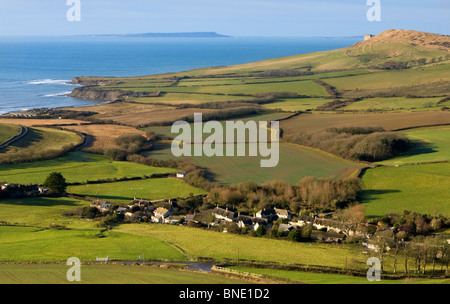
x,y
272,221
304,226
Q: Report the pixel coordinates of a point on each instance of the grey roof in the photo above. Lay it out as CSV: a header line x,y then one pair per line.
x,y
224,213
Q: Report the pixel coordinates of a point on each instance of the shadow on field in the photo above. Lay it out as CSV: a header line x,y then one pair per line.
x,y
371,195
38,202
109,197
420,147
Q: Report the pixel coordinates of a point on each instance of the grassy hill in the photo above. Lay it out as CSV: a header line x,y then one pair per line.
x,y
72,167
8,131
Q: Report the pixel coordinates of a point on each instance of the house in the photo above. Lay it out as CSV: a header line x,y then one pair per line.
x,y
368,37
5,187
181,174
260,221
102,206
269,214
304,220
173,220
327,237
283,213
224,214
244,221
160,214
285,228
191,218
42,190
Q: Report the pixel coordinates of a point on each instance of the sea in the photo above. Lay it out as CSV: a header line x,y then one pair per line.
x,y
35,72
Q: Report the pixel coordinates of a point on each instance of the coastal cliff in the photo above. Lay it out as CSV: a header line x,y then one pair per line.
x,y
94,93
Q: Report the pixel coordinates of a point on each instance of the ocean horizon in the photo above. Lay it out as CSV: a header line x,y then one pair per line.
x,y
35,72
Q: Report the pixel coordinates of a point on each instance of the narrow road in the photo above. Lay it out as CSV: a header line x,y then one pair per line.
x,y
23,132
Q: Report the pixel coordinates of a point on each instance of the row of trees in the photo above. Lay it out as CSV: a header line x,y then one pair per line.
x,y
358,143
314,193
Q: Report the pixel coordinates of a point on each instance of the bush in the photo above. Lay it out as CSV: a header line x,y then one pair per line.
x,y
132,143
116,154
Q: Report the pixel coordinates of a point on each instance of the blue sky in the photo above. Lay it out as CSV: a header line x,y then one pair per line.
x,y
232,17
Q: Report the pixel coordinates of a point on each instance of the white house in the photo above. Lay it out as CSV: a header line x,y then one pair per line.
x,y
160,214
181,174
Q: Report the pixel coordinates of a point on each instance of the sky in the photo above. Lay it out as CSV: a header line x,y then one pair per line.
x,y
306,18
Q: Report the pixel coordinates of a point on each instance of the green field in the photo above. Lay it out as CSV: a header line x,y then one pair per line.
x,y
75,167
321,278
151,189
421,188
389,121
41,139
204,243
106,274
31,244
175,98
235,169
43,212
7,132
428,145
395,103
296,104
390,79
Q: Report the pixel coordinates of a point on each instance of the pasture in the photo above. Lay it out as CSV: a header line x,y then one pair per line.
x,y
422,188
203,243
236,169
322,278
41,139
394,104
43,212
7,132
107,274
296,104
150,189
76,167
32,244
428,145
389,121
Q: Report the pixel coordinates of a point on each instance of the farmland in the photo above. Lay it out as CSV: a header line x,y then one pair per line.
x,y
72,167
232,170
42,244
151,189
203,243
389,189
107,274
429,145
390,84
39,139
389,121
320,278
7,132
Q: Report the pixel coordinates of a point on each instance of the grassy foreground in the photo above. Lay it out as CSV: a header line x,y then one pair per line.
x,y
106,274
321,278
31,244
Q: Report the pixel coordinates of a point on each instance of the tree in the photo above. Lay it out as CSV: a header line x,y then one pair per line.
x,y
261,231
56,182
295,235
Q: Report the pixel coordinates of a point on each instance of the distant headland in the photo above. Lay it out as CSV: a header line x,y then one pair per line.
x,y
166,35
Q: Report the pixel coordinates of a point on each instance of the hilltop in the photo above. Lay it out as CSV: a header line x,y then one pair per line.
x,y
417,39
